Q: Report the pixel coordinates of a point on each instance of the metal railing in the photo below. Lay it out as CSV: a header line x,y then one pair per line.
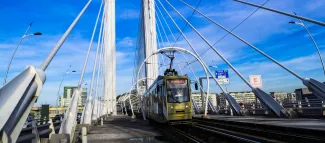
x,y
304,108
35,130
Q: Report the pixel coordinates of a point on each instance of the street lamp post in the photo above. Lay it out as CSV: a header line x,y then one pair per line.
x,y
303,25
21,39
57,100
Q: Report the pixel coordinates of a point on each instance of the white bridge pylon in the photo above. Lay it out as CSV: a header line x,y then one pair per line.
x,y
173,49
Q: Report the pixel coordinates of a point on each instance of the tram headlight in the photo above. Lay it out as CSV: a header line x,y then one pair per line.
x,y
186,106
171,107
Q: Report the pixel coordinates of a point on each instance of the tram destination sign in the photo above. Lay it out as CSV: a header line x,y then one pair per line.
x,y
177,81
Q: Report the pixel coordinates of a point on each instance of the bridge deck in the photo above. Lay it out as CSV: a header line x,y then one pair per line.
x,y
314,124
122,129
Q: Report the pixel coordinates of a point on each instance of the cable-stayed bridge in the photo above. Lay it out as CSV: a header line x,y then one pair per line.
x,y
160,55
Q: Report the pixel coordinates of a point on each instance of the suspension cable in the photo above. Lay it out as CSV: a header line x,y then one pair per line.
x,y
97,49
186,23
206,41
224,36
250,45
137,51
163,42
178,46
89,47
99,68
159,56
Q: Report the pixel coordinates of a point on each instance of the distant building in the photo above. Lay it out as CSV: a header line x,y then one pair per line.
x,y
279,96
67,96
306,99
61,110
35,112
291,98
221,101
246,97
249,97
197,98
304,94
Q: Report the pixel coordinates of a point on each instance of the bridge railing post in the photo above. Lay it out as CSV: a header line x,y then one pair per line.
x,y
51,127
84,134
35,131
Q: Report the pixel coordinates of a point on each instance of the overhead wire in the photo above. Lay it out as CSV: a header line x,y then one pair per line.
x,y
168,27
159,45
163,29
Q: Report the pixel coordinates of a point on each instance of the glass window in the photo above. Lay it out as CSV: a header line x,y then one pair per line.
x,y
159,90
177,91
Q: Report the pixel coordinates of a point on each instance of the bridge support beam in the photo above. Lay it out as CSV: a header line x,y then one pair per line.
x,y
15,105
69,122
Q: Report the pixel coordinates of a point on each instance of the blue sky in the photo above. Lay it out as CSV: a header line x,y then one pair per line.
x,y
268,31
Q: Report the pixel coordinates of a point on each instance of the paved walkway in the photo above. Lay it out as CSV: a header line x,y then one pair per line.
x,y
122,129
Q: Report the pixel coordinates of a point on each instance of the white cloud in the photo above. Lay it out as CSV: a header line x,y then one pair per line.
x,y
315,4
72,52
126,42
7,46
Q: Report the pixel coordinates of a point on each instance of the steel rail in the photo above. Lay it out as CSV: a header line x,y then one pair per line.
x,y
225,133
275,134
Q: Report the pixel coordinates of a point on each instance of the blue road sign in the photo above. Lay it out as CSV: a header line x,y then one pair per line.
x,y
222,74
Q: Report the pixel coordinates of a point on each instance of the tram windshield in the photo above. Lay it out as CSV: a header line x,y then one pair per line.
x,y
177,91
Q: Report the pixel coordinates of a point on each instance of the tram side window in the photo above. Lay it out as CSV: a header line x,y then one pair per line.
x,y
177,91
158,90
155,92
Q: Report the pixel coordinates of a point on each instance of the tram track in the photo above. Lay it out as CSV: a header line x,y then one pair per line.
x,y
261,133
203,134
211,131
191,132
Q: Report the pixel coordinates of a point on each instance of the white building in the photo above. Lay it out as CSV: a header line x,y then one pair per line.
x,y
244,97
291,98
197,98
67,96
221,101
279,96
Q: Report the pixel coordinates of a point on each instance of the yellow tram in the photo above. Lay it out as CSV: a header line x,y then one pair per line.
x,y
169,99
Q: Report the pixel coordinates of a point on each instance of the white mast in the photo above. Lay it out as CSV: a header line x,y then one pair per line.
x,y
109,58
150,43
